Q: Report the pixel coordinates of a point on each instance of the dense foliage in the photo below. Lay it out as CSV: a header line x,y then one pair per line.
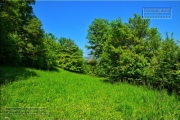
x,y
70,56
135,53
24,43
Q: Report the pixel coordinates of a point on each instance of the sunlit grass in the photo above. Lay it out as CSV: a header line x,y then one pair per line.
x,y
66,95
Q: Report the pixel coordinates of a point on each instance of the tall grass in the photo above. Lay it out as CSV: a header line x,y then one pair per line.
x,y
66,95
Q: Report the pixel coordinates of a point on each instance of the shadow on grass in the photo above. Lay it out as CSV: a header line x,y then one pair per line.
x,y
55,69
10,74
113,81
147,85
106,80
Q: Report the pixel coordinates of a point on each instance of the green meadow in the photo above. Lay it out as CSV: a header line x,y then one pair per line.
x,y
30,94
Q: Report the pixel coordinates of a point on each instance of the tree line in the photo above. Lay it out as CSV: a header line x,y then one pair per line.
x,y
131,52
23,41
135,53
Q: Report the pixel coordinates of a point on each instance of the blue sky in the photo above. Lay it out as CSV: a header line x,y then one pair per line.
x,y
71,19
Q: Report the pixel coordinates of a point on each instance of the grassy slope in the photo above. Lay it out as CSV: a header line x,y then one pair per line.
x,y
68,95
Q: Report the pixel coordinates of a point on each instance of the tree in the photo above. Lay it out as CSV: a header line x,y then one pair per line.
x,y
139,26
32,40
167,74
19,27
9,21
97,36
48,52
70,56
123,50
